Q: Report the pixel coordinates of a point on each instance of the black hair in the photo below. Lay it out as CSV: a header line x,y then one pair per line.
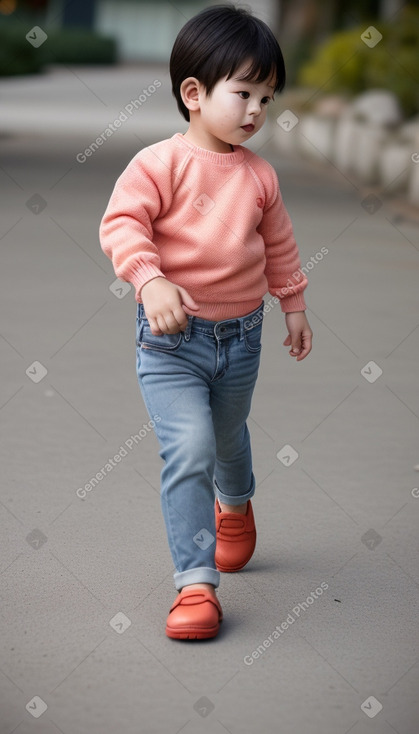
x,y
216,42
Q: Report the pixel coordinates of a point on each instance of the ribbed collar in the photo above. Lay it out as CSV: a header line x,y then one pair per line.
x,y
220,159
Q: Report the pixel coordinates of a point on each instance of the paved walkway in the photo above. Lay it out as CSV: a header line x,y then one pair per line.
x,y
320,633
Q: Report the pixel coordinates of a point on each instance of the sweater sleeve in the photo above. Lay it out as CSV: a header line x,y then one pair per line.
x,y
126,229
285,279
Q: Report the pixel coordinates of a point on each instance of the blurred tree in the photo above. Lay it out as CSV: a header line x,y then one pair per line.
x,y
304,24
343,64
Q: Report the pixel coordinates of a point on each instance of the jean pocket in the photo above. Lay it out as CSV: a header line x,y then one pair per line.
x,y
252,338
164,343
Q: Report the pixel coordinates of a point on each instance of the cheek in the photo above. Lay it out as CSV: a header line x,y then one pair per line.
x,y
232,106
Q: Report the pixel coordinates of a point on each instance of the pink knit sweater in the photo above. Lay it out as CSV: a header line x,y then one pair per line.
x,y
214,223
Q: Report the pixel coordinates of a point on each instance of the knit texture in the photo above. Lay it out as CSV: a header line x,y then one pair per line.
x,y
214,223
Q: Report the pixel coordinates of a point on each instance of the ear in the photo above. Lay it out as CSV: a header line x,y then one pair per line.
x,y
190,91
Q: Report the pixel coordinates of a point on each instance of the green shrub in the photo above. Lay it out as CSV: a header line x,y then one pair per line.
x,y
344,64
77,46
67,46
17,55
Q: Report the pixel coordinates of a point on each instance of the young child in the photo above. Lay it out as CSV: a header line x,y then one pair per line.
x,y
197,224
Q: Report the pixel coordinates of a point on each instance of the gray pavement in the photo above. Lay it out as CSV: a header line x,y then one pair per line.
x,y
86,583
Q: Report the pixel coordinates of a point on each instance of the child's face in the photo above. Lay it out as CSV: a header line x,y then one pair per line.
x,y
235,110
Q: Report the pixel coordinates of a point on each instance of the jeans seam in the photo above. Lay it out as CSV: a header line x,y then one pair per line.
x,y
215,378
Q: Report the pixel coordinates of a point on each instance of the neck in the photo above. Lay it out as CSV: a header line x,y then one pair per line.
x,y
203,139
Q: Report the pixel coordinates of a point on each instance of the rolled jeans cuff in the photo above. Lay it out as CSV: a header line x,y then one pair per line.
x,y
237,499
199,575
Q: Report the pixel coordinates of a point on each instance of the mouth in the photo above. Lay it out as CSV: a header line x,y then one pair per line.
x,y
248,128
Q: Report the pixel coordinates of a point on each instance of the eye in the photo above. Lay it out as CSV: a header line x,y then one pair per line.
x,y
246,95
266,100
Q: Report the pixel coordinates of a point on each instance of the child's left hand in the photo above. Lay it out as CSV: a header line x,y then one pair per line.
x,y
299,335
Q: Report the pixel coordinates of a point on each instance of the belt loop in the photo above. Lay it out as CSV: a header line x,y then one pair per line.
x,y
187,332
241,321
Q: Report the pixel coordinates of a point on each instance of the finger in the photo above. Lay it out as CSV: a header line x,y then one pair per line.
x,y
162,325
187,300
287,341
307,345
172,325
155,329
296,347
181,318
303,355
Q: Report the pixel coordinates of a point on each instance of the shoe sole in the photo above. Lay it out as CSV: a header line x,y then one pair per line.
x,y
192,634
231,569
224,569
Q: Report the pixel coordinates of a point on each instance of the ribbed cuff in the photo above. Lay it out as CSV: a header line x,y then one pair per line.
x,y
292,303
141,274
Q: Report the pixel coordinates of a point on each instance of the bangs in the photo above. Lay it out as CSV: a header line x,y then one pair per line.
x,y
249,47
258,73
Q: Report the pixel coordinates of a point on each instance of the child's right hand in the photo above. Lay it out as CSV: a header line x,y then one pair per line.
x,y
163,303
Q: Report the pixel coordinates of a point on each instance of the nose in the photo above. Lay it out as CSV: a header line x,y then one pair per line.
x,y
254,107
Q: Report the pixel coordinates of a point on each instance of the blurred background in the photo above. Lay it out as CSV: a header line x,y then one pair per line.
x,y
352,79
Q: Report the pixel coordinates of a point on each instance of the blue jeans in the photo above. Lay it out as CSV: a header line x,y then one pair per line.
x,y
197,386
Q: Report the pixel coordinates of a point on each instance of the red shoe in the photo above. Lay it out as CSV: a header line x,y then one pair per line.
x,y
194,615
235,538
